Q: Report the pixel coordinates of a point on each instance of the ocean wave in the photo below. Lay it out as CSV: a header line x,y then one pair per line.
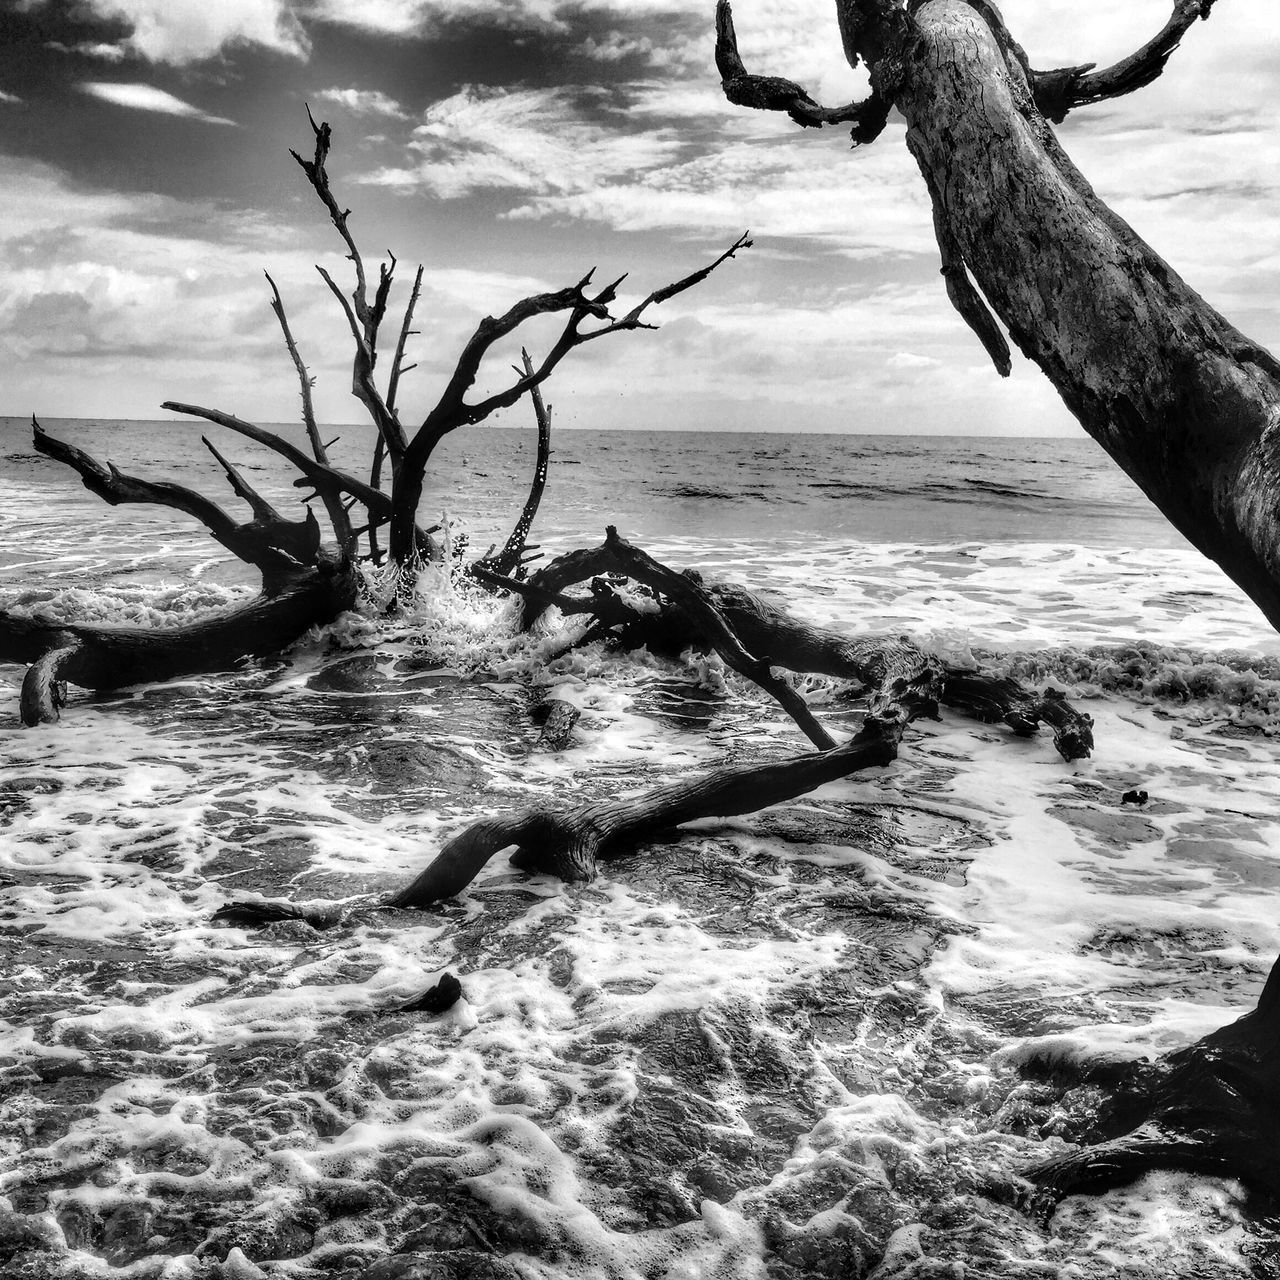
x,y
1242,687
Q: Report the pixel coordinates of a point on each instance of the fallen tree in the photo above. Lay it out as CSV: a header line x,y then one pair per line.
x,y
900,683
1184,402
307,583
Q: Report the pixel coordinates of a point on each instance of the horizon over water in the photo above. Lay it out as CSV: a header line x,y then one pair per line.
x,y
779,1046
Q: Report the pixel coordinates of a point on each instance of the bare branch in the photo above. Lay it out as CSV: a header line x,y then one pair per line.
x,y
319,474
960,289
363,316
304,378
275,546
262,509
398,366
773,93
572,337
511,555
1057,92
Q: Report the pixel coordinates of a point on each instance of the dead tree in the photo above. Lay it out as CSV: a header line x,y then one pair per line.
x,y
1183,401
900,681
306,583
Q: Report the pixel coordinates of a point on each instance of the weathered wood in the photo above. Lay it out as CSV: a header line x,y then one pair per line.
x,y
104,657
567,843
556,719
512,556
41,699
893,667
1213,1107
1184,402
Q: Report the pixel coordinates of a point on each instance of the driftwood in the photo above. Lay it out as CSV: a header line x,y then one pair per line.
x,y
1213,1107
305,584
776,639
1183,401
903,683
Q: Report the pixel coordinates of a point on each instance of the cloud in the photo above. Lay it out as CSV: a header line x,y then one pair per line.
x,y
364,102
525,140
92,49
9,97
145,97
178,32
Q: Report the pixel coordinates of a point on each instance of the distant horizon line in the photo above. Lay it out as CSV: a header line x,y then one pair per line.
x,y
1079,433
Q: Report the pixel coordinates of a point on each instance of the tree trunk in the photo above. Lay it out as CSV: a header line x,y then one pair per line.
x,y
101,657
1182,400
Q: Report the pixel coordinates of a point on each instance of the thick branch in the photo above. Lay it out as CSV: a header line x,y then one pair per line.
x,y
567,843
1057,92
277,547
42,699
960,290
773,93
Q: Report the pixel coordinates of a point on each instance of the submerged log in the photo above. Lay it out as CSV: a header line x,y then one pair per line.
x,y
304,585
776,639
1213,1108
568,842
104,657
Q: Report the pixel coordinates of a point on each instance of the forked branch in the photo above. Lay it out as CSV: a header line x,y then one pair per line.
x,y
275,546
1059,91
773,93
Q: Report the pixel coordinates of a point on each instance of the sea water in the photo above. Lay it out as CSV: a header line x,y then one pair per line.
x,y
784,1044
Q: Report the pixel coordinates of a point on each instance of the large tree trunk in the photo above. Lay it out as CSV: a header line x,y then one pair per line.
x,y
1185,403
1182,400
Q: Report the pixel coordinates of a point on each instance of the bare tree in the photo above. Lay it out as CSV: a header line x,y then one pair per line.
x,y
306,581
1185,403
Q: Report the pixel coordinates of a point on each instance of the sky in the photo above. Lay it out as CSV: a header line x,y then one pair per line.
x,y
511,145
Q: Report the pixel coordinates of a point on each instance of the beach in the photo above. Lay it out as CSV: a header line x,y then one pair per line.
x,y
784,1044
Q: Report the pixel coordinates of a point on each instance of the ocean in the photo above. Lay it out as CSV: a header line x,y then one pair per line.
x,y
779,1045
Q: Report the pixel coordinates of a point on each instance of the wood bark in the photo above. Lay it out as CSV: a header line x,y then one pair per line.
x,y
1213,1107
304,584
893,667
1185,403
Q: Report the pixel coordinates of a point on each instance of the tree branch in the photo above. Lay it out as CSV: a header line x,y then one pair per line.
x,y
274,545
964,297
1058,92
508,560
773,93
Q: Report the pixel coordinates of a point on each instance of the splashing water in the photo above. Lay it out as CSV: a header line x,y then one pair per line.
x,y
777,1045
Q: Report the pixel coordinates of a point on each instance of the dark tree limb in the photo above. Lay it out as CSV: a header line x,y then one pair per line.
x,y
43,695
1001,699
320,475
960,289
508,560
1213,1107
619,556
337,513
276,547
105,657
1060,91
773,93
568,843
363,316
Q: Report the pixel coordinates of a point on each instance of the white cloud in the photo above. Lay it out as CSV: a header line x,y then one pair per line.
x,y
364,102
9,97
145,97
184,31
93,49
526,140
